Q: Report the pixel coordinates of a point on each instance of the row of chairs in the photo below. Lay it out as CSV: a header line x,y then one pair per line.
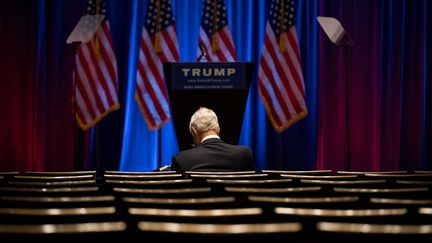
x,y
306,207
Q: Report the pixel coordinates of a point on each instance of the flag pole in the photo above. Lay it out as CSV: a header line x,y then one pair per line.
x,y
97,142
159,147
336,33
280,147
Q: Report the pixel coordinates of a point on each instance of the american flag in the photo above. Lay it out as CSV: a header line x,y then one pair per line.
x,y
95,73
280,77
215,36
158,45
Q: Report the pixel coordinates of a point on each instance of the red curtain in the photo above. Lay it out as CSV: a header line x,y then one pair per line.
x,y
386,75
35,66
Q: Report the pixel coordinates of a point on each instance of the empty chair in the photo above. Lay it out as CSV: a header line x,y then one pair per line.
x,y
6,175
71,183
50,179
56,201
361,232
248,172
371,172
186,202
207,215
60,173
252,183
365,183
400,201
49,191
241,193
384,192
57,215
310,216
423,171
114,172
227,231
174,183
305,202
394,177
340,213
414,183
149,177
229,176
411,204
320,177
425,210
163,192
328,185
297,172
254,190
112,231
53,177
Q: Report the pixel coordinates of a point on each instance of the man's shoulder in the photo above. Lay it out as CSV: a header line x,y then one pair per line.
x,y
240,147
186,152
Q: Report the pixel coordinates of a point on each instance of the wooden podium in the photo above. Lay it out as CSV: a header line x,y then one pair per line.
x,y
220,86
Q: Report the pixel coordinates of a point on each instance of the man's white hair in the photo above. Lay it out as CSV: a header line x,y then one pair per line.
x,y
204,120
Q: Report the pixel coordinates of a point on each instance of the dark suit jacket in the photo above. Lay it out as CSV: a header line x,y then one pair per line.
x,y
214,155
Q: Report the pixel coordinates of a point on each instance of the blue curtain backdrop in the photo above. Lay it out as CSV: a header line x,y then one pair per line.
x,y
390,76
145,150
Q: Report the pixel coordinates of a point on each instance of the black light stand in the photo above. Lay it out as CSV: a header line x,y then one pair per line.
x,y
336,33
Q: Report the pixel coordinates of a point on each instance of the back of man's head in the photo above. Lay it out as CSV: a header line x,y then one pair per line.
x,y
204,120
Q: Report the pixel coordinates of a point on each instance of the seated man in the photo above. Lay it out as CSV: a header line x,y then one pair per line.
x,y
210,152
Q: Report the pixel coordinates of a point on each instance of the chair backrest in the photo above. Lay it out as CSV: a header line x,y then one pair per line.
x,y
361,232
254,183
230,177
247,172
49,191
310,216
53,177
149,183
308,202
419,176
259,190
187,202
163,192
401,201
143,176
344,183
320,177
115,172
376,191
286,231
72,183
57,215
60,173
298,172
110,231
207,215
56,201
370,172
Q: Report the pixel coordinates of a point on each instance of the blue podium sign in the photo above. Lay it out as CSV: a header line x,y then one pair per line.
x,y
208,76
